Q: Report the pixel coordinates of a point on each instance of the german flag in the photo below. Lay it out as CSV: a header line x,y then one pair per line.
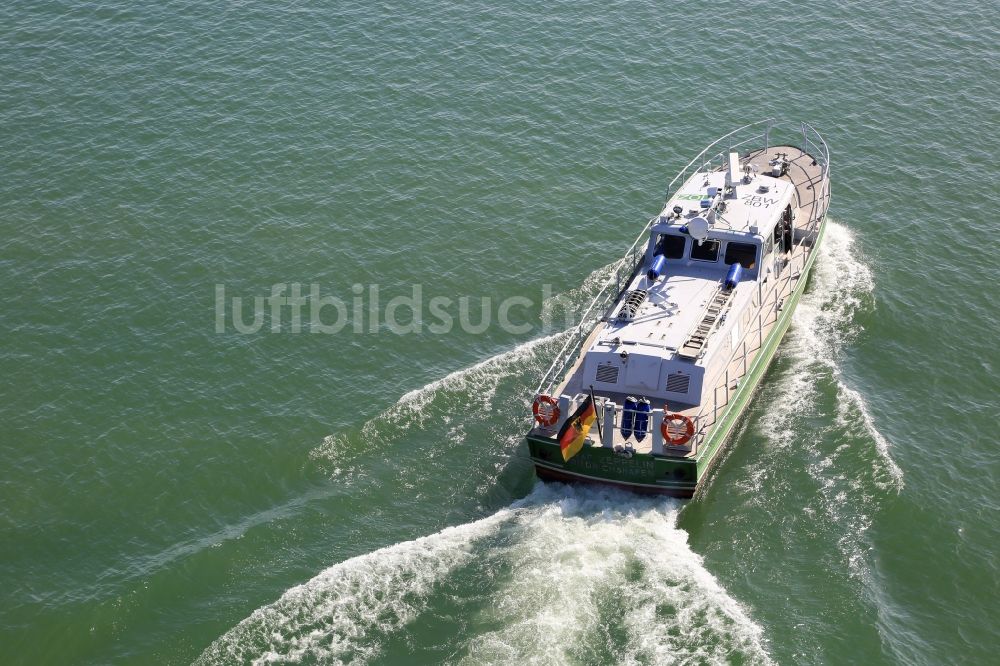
x,y
574,430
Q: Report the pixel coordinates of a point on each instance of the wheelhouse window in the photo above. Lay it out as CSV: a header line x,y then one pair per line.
x,y
671,246
706,251
744,254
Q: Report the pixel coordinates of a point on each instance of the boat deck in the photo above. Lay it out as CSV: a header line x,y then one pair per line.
x,y
812,196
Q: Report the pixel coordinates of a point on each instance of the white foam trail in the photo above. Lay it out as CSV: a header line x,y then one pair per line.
x,y
579,560
469,390
482,378
572,553
340,615
823,324
850,400
589,559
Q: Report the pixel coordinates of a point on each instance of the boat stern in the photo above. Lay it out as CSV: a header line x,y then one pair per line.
x,y
637,472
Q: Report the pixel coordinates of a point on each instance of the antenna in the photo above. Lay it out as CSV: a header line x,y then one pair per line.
x,y
733,175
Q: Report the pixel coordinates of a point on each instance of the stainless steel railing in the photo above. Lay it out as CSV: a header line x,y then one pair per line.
x,y
626,266
814,144
623,270
771,302
723,154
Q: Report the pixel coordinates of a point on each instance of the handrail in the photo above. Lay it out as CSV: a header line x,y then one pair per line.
x,y
823,149
561,361
566,354
767,132
815,145
821,153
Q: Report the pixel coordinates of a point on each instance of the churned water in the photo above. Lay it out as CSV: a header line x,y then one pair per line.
x,y
190,477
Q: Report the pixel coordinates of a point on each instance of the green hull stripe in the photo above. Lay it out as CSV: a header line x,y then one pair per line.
x,y
658,484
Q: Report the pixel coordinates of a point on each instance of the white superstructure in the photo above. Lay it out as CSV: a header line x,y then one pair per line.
x,y
664,342
667,349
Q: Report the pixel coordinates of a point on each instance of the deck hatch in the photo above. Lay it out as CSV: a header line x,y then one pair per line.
x,y
607,373
633,301
678,383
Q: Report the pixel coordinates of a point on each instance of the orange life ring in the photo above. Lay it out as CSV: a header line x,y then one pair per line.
x,y
680,439
546,410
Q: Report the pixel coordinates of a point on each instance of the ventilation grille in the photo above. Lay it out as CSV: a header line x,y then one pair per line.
x,y
678,383
607,373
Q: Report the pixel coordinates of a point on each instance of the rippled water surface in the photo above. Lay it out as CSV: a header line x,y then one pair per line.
x,y
171,493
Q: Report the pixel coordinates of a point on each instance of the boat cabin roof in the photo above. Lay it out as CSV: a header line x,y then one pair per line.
x,y
748,208
740,215
673,306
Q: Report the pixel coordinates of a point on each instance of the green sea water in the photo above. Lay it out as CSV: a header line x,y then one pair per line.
x,y
172,493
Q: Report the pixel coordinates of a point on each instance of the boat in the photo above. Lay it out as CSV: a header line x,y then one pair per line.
x,y
651,383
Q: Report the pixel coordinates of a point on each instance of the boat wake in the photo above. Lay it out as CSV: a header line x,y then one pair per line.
x,y
823,324
812,411
462,405
469,392
564,575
